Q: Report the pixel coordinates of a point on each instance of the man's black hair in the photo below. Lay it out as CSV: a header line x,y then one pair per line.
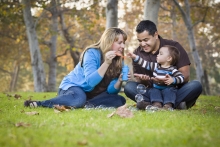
x,y
146,25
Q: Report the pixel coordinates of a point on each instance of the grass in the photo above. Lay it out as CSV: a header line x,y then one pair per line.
x,y
196,127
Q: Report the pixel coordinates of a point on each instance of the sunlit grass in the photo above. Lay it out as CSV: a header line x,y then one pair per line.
x,y
198,126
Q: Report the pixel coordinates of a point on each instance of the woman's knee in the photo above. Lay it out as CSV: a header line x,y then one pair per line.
x,y
120,101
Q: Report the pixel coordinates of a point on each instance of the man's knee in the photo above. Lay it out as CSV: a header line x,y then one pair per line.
x,y
129,86
196,85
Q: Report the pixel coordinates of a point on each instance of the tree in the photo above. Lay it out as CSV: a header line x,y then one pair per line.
x,y
112,13
151,8
36,59
14,52
189,25
52,44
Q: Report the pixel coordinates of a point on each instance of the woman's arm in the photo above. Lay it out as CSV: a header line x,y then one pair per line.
x,y
93,72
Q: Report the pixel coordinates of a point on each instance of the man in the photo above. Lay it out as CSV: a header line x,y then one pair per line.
x,y
149,44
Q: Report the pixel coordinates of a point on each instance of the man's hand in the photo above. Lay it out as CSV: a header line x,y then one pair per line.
x,y
141,77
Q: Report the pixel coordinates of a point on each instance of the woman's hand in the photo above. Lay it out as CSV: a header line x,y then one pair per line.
x,y
109,56
120,77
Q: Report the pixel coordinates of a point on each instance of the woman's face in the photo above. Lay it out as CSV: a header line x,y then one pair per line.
x,y
119,45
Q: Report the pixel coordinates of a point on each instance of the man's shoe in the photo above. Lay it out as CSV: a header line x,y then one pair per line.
x,y
168,107
142,105
182,106
151,108
157,104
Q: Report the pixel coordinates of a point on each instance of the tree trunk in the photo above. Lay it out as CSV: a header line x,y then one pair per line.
x,y
36,59
206,81
174,25
70,40
14,77
112,13
151,9
191,38
53,47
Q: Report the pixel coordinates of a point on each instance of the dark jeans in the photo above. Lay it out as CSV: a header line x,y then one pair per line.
x,y
76,97
167,95
189,92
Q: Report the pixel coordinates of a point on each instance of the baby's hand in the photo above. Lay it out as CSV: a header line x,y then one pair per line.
x,y
131,55
169,80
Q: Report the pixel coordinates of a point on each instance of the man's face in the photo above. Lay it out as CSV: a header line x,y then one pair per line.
x,y
147,42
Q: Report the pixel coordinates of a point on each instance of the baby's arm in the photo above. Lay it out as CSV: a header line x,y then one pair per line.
x,y
176,78
132,56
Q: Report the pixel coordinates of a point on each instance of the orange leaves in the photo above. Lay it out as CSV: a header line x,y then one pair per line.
x,y
122,111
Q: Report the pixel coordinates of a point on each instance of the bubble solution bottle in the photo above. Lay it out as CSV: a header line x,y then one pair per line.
x,y
125,70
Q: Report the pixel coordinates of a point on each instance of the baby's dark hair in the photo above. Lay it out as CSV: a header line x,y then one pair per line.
x,y
146,25
174,53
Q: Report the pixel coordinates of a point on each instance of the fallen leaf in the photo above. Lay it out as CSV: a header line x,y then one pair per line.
x,y
83,142
32,113
122,111
204,111
17,96
22,111
8,95
29,97
22,124
61,108
110,115
217,108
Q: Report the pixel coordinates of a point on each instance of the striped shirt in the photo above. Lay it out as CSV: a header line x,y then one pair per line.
x,y
161,72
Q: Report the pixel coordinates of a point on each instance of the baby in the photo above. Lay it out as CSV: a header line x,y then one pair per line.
x,y
163,93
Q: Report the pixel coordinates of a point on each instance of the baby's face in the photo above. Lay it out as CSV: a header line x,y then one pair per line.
x,y
163,56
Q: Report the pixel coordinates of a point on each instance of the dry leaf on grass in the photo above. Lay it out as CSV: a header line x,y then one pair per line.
x,y
82,142
217,108
58,108
32,113
22,124
110,115
17,96
122,111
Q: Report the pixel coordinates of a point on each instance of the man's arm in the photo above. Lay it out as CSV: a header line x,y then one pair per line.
x,y
185,70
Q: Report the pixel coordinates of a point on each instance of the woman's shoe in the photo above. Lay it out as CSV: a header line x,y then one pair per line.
x,y
29,103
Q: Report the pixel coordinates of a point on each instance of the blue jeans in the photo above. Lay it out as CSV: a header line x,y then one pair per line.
x,y
76,97
167,95
189,92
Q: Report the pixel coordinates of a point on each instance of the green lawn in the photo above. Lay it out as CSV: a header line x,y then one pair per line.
x,y
196,127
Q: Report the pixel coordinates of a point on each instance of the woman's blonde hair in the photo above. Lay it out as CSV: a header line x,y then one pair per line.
x,y
104,45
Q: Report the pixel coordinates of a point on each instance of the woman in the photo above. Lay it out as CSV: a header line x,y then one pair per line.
x,y
96,79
